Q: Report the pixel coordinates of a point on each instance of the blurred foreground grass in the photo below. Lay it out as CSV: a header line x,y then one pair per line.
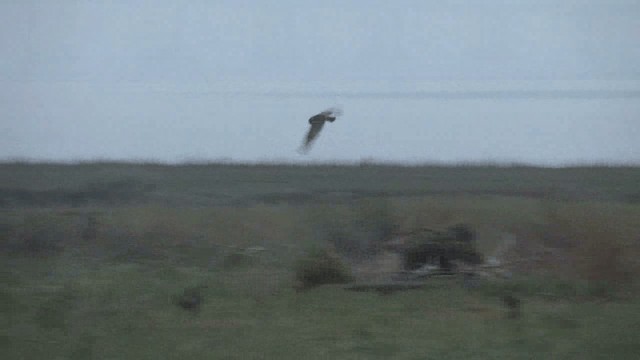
x,y
96,279
71,310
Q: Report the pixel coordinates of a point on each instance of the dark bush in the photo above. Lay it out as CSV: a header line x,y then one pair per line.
x,y
321,267
440,247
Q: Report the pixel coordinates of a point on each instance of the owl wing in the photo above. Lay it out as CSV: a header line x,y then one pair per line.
x,y
312,134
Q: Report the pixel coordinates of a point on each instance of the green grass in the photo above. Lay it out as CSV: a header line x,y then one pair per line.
x,y
71,309
95,279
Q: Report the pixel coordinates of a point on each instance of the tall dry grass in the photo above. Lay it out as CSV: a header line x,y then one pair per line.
x,y
582,241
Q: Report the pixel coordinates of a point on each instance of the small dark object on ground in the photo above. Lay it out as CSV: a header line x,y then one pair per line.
x,y
191,298
513,305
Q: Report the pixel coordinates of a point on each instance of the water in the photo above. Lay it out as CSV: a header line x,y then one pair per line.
x,y
547,123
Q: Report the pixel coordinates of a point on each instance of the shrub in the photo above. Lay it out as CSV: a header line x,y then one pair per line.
x,y
431,246
319,267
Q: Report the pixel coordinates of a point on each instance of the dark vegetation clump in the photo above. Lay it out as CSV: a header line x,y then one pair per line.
x,y
512,303
319,267
428,246
191,298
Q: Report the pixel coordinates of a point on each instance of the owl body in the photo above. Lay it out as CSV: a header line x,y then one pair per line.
x,y
317,123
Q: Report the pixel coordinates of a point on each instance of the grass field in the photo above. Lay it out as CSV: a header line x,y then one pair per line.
x,y
94,256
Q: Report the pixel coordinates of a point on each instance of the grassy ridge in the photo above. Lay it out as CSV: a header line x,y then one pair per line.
x,y
228,184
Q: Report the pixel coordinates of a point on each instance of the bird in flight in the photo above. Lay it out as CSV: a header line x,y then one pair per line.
x,y
317,122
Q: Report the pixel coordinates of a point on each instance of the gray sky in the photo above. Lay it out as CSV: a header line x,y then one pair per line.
x,y
169,80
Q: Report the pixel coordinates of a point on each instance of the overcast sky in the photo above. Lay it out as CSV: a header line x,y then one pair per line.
x,y
170,80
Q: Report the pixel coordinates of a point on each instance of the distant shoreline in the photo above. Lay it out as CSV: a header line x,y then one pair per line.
x,y
446,95
342,163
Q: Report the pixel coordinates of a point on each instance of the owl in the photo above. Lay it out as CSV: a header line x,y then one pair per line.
x,y
317,123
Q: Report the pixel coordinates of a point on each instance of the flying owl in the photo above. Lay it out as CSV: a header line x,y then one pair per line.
x,y
317,123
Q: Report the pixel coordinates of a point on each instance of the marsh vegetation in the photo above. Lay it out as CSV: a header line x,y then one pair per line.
x,y
97,256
